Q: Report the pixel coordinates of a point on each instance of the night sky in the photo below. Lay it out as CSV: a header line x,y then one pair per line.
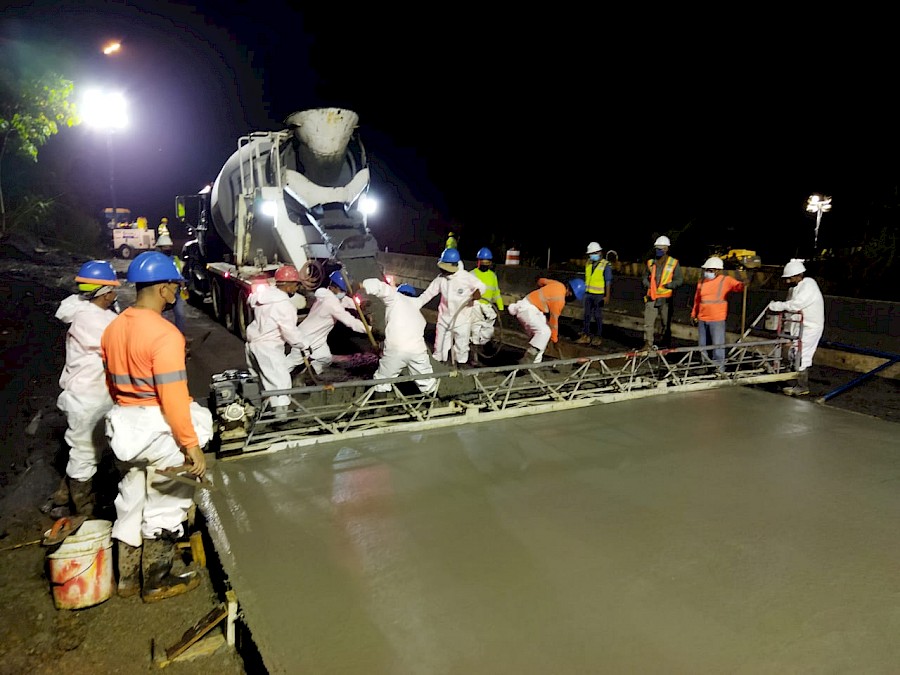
x,y
549,130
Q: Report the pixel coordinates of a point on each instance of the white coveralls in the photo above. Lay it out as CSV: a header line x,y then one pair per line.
x,y
85,397
274,325
534,322
140,436
484,317
326,311
807,298
454,319
404,341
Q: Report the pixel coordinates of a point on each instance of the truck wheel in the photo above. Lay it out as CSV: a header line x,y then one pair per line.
x,y
126,252
244,316
217,301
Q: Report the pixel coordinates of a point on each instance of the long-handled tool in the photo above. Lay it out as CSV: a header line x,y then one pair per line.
x,y
180,475
359,311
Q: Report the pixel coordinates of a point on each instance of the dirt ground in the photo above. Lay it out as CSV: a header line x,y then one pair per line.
x,y
115,636
121,636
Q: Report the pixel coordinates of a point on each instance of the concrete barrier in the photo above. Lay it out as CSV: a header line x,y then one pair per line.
x,y
869,325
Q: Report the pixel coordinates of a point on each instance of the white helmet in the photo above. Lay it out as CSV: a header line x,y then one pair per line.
x,y
164,240
793,268
662,241
713,263
594,247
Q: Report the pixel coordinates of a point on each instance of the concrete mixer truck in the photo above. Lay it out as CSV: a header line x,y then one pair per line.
x,y
296,196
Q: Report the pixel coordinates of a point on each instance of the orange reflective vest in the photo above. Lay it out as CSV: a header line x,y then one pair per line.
x,y
656,289
550,298
594,279
709,300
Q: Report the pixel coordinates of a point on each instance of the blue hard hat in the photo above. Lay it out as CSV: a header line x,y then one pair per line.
x,y
577,286
484,253
153,267
450,256
97,272
338,280
406,289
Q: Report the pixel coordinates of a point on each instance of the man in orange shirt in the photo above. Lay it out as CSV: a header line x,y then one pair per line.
x,y
539,312
153,424
711,308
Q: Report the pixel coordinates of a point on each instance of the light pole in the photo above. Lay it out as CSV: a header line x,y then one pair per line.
x,y
108,112
818,204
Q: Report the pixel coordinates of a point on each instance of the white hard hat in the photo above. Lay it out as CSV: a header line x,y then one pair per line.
x,y
662,241
793,268
594,247
164,240
713,263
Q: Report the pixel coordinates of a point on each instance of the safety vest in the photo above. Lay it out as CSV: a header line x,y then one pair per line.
x,y
666,278
594,278
492,294
709,300
451,242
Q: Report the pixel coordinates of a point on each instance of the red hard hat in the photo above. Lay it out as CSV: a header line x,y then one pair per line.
x,y
287,273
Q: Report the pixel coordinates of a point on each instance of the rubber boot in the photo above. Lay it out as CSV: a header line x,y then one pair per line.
x,y
474,361
82,496
57,505
159,582
129,570
529,356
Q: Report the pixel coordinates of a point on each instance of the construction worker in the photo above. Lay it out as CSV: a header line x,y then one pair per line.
x,y
664,275
164,245
803,297
598,285
710,309
154,424
162,229
404,336
484,314
459,290
327,310
84,399
539,312
451,241
273,329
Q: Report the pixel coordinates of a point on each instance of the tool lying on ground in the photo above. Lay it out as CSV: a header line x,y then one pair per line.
x,y
181,474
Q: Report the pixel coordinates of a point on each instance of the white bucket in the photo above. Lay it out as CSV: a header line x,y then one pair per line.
x,y
81,569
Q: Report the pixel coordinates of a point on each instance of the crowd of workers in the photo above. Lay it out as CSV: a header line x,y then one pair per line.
x,y
124,383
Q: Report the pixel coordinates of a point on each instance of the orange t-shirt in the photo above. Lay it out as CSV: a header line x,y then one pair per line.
x,y
550,298
710,303
144,359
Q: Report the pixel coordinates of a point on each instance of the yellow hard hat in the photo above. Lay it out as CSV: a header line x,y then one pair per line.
x,y
164,220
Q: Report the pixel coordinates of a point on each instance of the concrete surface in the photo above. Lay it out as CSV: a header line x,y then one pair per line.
x,y
721,531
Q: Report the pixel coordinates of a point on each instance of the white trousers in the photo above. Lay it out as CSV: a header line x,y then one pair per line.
x,y
148,503
484,317
85,435
393,362
273,367
455,337
535,325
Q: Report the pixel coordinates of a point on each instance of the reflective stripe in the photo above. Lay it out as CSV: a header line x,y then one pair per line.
x,y
718,299
145,383
168,378
668,272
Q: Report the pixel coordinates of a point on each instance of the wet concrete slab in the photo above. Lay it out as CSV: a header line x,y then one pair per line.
x,y
730,530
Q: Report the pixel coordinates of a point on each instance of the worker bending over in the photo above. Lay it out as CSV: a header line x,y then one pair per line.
x,y
404,336
539,312
275,345
325,313
459,290
153,424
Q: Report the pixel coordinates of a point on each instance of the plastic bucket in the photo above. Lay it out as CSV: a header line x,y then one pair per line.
x,y
81,569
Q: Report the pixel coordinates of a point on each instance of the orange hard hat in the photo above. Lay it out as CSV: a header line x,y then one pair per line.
x,y
287,273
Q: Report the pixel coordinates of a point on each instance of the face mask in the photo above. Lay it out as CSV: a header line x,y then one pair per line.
x,y
595,257
660,253
484,266
340,295
709,274
171,305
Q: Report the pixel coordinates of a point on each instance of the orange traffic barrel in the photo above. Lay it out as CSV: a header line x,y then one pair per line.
x,y
512,256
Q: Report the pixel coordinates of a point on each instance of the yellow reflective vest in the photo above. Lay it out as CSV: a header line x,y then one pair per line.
x,y
594,281
492,294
